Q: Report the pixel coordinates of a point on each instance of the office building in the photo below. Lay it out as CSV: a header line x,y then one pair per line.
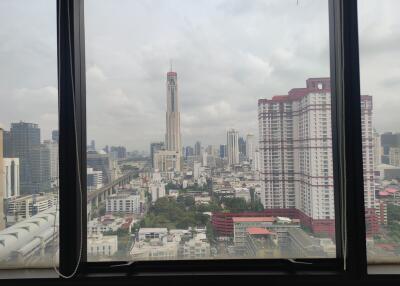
x,y
242,147
55,136
388,140
7,144
119,152
232,143
10,177
101,161
250,146
189,151
52,147
197,148
94,179
222,151
45,167
25,139
154,147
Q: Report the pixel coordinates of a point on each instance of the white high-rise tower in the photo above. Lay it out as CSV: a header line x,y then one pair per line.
x,y
232,142
173,120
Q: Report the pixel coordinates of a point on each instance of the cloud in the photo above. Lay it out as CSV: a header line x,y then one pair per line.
x,y
228,54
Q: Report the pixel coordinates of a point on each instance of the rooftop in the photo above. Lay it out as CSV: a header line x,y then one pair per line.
x,y
253,219
258,230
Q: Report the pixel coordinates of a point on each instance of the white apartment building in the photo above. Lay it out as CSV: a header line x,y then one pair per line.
x,y
295,143
123,203
368,151
232,143
157,190
11,177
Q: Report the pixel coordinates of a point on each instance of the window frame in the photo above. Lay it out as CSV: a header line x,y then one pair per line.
x,y
349,266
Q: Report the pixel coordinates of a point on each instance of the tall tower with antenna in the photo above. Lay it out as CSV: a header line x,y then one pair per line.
x,y
173,120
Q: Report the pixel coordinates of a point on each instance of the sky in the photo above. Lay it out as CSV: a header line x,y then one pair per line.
x,y
227,53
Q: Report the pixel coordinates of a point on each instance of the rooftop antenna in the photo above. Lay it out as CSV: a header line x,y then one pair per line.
x,y
170,65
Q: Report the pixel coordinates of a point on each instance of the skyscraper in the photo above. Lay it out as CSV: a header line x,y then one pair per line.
x,y
52,147
296,152
197,148
242,146
26,146
154,147
250,146
55,135
173,121
222,151
11,177
232,143
7,144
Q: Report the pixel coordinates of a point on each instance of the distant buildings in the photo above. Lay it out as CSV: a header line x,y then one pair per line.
x,y
94,179
167,161
222,151
101,161
55,136
242,149
197,148
250,147
118,152
154,147
232,143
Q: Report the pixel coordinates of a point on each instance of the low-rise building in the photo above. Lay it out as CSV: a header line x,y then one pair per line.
x,y
146,233
109,223
23,207
124,203
102,245
195,248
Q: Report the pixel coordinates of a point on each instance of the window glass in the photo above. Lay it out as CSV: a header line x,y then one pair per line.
x,y
379,33
209,125
28,134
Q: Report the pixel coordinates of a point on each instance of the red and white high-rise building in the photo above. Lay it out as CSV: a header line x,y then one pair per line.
x,y
295,143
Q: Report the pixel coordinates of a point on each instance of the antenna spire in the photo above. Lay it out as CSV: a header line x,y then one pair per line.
x,y
170,65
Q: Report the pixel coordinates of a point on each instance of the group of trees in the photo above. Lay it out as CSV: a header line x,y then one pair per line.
x,y
180,213
393,212
237,205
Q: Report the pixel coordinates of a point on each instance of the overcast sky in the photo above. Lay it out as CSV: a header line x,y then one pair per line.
x,y
227,53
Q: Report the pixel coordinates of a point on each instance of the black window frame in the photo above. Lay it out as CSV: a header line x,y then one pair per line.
x,y
349,266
